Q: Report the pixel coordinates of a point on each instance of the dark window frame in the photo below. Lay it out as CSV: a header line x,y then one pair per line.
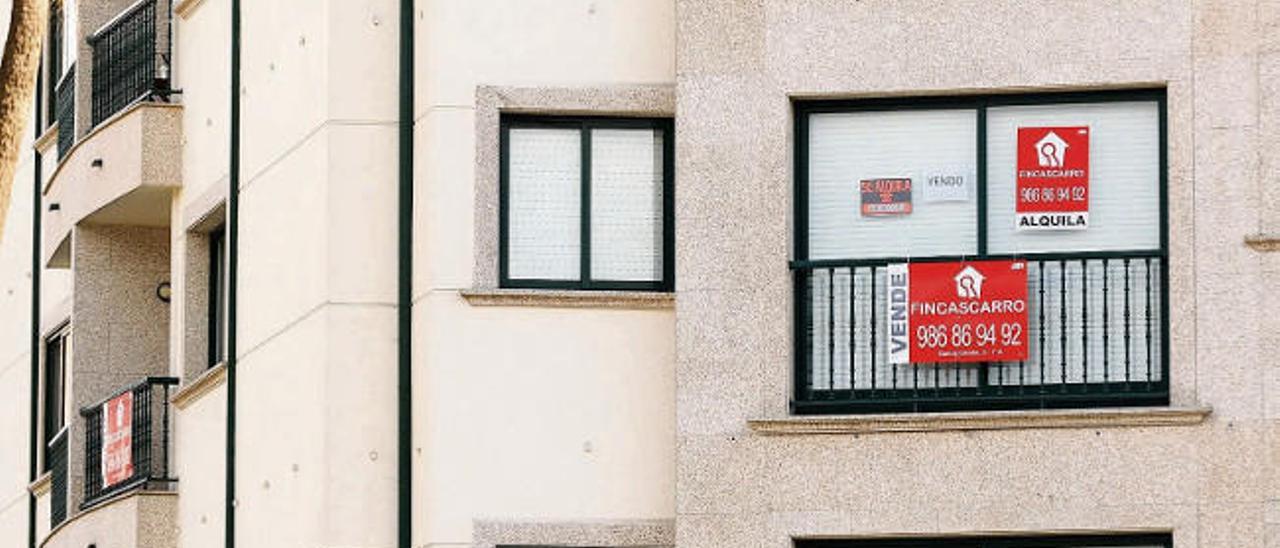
x,y
217,326
1096,395
1035,541
54,400
54,40
585,125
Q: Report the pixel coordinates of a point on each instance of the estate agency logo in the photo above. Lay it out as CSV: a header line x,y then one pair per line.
x,y
1053,178
969,283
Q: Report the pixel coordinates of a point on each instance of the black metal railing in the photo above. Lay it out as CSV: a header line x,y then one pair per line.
x,y
127,60
66,109
56,456
148,453
1097,336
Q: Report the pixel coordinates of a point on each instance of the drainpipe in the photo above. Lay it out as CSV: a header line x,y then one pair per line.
x,y
404,305
233,254
35,315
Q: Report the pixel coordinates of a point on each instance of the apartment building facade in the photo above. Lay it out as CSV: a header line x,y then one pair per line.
x,y
645,273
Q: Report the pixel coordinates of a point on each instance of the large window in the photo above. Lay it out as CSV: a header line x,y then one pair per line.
x,y
217,296
1072,184
586,203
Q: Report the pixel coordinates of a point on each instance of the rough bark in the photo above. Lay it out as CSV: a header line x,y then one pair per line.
x,y
17,87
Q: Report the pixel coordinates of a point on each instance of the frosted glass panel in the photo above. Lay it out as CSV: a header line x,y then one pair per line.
x,y
626,205
1124,177
544,204
847,148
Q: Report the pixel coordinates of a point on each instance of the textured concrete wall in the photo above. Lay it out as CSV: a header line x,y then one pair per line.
x,y
120,329
739,64
138,520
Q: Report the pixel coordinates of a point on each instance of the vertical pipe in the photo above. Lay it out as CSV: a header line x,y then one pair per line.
x,y
404,305
233,254
35,313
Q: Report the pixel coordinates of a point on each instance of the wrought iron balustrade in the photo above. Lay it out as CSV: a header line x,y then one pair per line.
x,y
65,106
56,457
1097,336
144,423
130,59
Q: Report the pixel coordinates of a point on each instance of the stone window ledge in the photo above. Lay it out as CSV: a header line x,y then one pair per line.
x,y
1263,242
194,390
553,298
40,487
981,420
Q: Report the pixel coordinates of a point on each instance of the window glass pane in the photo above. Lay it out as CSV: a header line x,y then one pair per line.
x,y
217,296
544,204
626,204
1124,177
55,384
70,31
848,149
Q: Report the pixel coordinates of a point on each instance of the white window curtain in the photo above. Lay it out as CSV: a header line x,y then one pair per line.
x,y
626,204
1124,177
846,148
544,204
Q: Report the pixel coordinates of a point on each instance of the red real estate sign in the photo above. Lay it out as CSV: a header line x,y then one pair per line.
x,y
885,197
971,311
1053,178
117,439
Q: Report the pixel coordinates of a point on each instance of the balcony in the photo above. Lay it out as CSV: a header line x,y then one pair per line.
x,y
128,64
1096,331
131,451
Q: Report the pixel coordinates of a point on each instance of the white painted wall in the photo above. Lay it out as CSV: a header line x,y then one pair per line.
x,y
528,413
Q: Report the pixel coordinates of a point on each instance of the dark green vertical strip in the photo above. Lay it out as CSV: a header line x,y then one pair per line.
x,y
800,193
584,216
668,205
35,314
404,308
233,259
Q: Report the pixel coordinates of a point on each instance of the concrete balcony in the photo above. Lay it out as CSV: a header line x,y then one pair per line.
x,y
122,173
142,519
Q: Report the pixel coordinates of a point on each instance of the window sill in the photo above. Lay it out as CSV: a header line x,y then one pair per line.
x,y
981,420
1263,242
40,487
555,298
191,392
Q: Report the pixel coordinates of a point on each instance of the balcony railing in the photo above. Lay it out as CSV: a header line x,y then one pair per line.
x,y
1096,337
65,105
56,456
129,60
127,441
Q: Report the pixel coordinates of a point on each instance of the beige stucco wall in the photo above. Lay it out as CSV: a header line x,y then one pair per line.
x,y
538,414
139,520
200,465
1213,484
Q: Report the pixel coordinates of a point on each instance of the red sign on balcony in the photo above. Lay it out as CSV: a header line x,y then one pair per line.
x,y
117,439
970,311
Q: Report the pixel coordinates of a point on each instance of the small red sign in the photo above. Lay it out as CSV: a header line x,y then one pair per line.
x,y
973,311
1053,178
117,439
885,197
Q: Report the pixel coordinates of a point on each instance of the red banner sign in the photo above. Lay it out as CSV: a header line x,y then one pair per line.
x,y
1053,178
957,312
117,439
885,197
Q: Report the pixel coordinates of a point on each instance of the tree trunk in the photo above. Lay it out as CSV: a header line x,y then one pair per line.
x,y
17,87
